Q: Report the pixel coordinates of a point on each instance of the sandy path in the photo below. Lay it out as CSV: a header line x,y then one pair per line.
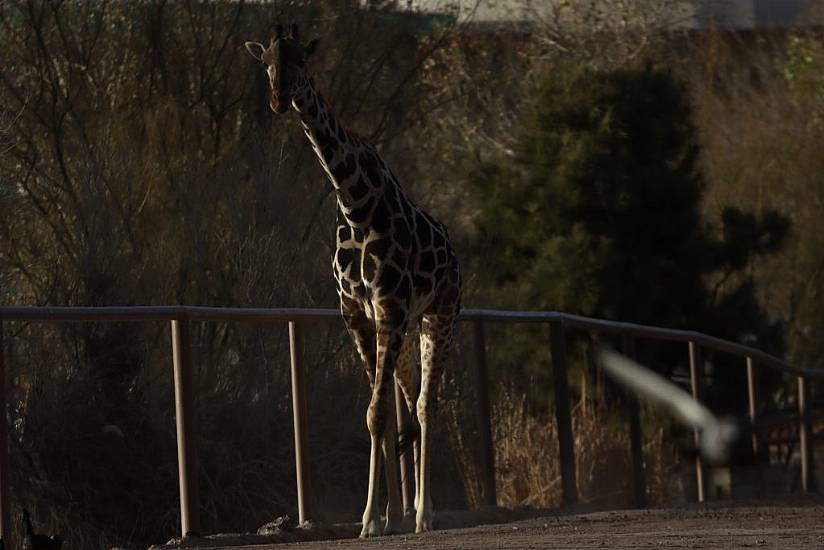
x,y
777,525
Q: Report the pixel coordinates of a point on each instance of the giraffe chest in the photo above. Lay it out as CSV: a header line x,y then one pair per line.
x,y
393,270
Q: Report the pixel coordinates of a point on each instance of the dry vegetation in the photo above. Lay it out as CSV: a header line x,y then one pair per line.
x,y
602,460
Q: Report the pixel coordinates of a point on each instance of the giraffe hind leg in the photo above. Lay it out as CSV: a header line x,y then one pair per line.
x,y
394,506
408,378
407,375
436,342
409,436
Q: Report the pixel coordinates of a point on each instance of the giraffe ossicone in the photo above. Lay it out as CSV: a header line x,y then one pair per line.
x,y
397,278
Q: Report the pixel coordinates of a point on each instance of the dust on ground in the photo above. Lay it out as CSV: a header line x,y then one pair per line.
x,y
797,523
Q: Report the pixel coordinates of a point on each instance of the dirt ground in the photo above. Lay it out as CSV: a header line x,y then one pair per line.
x,y
793,524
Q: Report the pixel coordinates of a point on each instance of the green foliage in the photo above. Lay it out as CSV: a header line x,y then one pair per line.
x,y
802,70
597,211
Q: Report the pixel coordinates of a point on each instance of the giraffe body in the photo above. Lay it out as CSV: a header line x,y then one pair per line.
x,y
397,278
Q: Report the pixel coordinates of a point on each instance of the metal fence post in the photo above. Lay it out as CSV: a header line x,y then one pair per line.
x,y
805,449
697,384
5,526
566,444
299,420
186,423
490,497
760,481
639,483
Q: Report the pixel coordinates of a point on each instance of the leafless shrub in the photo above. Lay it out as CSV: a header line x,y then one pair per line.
x,y
608,33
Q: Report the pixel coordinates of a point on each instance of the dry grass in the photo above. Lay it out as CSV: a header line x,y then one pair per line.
x,y
528,471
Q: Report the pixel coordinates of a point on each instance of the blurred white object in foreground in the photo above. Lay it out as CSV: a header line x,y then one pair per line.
x,y
716,436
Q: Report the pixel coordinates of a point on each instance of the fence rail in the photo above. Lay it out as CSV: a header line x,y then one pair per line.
x,y
180,318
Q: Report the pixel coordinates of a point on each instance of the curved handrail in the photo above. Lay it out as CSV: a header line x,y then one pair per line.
x,y
207,313
164,313
645,331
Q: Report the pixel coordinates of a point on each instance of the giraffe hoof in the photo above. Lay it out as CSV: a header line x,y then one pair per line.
x,y
423,524
371,528
393,527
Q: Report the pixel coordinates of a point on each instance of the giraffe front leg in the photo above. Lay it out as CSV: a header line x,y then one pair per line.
x,y
394,509
372,514
388,346
417,470
363,334
375,416
423,499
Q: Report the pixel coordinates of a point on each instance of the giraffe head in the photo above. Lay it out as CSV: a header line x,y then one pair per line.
x,y
285,62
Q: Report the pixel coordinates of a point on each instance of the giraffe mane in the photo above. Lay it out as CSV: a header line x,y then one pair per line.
x,y
331,110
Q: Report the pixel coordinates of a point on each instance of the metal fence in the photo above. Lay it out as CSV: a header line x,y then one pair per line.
x,y
180,318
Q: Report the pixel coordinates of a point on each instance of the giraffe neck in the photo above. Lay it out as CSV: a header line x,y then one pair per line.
x,y
350,163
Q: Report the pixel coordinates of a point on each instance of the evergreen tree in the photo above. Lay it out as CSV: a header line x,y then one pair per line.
x,y
598,211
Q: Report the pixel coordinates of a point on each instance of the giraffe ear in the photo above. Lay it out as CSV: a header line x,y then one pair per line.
x,y
256,50
311,47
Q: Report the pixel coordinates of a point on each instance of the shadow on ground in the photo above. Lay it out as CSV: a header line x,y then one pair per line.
x,y
282,530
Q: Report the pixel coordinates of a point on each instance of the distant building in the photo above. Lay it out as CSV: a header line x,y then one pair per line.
x,y
757,14
695,14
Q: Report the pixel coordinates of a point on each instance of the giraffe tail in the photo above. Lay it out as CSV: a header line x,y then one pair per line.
x,y
410,434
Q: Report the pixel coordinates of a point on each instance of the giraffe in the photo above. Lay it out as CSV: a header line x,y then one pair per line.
x,y
397,277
